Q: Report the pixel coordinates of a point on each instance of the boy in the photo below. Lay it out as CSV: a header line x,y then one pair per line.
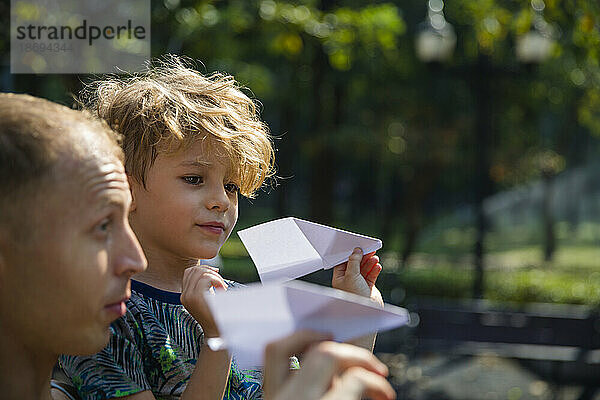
x,y
66,248
191,143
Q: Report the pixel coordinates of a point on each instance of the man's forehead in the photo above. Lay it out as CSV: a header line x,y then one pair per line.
x,y
92,178
79,191
91,156
86,142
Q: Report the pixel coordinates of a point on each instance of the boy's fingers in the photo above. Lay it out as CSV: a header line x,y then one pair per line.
x,y
354,262
368,265
195,271
374,273
201,279
210,279
366,257
339,271
216,269
212,282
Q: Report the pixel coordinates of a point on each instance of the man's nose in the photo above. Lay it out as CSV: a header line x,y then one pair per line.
x,y
130,258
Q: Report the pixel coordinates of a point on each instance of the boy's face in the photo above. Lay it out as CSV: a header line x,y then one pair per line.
x,y
188,208
64,287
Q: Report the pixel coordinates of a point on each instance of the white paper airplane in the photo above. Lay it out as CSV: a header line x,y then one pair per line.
x,y
289,248
249,318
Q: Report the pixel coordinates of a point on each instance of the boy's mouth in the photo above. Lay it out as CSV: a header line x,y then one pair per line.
x,y
216,228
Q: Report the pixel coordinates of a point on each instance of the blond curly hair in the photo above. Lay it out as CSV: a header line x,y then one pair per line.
x,y
170,106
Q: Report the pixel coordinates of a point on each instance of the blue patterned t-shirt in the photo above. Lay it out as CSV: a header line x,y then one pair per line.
x,y
154,346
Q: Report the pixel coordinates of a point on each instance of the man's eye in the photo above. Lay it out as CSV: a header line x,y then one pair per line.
x,y
104,226
232,188
193,179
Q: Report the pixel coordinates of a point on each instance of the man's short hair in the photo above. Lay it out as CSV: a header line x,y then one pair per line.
x,y
35,134
171,106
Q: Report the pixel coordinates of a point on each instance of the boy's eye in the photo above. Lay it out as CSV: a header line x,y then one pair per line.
x,y
232,188
193,179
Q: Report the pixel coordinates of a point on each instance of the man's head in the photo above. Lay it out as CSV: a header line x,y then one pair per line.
x,y
181,132
66,248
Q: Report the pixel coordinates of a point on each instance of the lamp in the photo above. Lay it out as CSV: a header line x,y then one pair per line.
x,y
535,46
436,39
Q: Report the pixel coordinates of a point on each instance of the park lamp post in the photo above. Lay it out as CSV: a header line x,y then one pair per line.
x,y
435,42
436,39
535,46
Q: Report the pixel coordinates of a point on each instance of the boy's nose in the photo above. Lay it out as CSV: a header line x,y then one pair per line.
x,y
131,258
217,199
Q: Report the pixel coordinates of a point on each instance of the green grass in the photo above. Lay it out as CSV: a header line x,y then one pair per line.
x,y
233,248
515,286
237,265
449,238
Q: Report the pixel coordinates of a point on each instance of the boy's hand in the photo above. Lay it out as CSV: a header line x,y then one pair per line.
x,y
358,275
197,280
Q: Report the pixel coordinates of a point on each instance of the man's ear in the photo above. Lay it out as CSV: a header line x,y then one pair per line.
x,y
132,189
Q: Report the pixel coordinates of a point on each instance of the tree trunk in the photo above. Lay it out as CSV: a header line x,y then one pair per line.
x,y
286,154
550,240
483,108
323,169
420,187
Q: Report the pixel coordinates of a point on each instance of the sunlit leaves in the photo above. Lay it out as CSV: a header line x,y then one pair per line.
x,y
374,29
344,33
589,113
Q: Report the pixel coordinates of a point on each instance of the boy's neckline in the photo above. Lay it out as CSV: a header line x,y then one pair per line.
x,y
155,293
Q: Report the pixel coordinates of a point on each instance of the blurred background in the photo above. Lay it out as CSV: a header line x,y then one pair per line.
x,y
464,134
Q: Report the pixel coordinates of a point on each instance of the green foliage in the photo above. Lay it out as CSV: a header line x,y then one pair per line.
x,y
372,28
340,80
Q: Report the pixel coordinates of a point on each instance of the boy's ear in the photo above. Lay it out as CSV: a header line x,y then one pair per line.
x,y
132,184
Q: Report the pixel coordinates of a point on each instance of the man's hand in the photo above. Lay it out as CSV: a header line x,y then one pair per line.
x,y
197,280
358,275
329,371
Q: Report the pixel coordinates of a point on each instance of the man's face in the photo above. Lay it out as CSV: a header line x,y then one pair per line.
x,y
65,287
188,208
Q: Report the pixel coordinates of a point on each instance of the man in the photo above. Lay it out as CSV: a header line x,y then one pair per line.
x,y
66,249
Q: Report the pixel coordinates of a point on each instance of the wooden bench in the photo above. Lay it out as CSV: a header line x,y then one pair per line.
x,y
561,343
